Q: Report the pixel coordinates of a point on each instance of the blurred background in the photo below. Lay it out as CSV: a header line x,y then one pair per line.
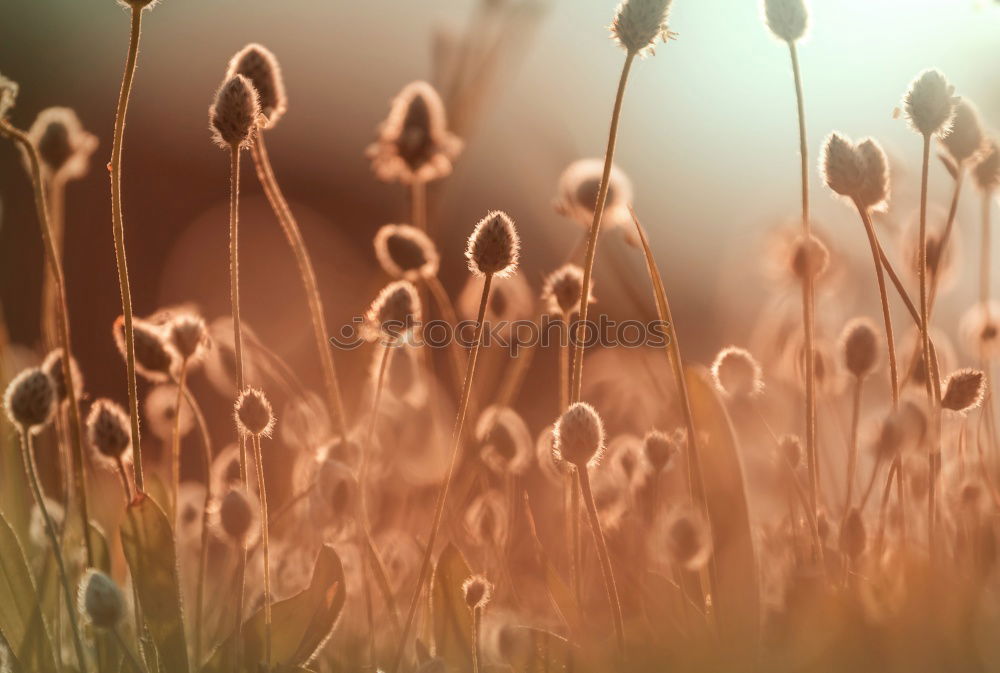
x,y
708,138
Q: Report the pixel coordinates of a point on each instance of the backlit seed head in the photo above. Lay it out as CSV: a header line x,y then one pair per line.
x,y
873,191
853,537
963,390
253,412
477,591
504,440
414,143
841,166
100,600
791,449
154,356
235,516
259,65
687,539
965,139
659,449
8,96
809,257
63,145
394,312
987,170
980,329
30,400
578,188
736,373
578,436
891,436
563,288
404,251
234,114
188,334
109,431
859,346
787,19
160,411
53,366
930,103
494,246
639,23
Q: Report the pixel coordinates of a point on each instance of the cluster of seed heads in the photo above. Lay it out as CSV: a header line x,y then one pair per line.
x,y
258,65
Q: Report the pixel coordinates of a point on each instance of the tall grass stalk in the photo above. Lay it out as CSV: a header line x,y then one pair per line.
x,y
262,489
118,229
418,204
265,173
175,439
56,270
595,229
949,225
457,433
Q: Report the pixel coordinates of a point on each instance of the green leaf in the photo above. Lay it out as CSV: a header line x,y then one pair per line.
x,y
451,617
736,601
148,544
300,624
536,651
20,620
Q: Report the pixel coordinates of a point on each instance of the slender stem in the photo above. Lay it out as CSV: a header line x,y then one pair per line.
x,y
118,228
307,275
55,188
418,204
984,251
595,229
808,297
945,238
934,447
477,627
126,650
443,491
852,457
258,458
564,375
206,442
884,297
605,559
50,530
175,450
123,475
55,268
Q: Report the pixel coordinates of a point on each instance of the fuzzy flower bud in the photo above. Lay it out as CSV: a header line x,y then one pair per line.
x,y
639,23
930,103
659,449
874,188
109,431
787,19
30,400
563,288
154,356
963,390
259,65
966,136
477,591
687,540
494,246
860,346
188,334
234,114
394,312
253,413
235,516
842,168
987,171
578,436
100,600
53,366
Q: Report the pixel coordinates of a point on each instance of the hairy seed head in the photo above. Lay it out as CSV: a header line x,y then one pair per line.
x,y
859,345
234,114
494,246
639,23
787,19
8,96
965,139
259,65
394,312
100,600
736,373
563,288
236,516
987,170
109,431
188,334
577,192
64,147
154,356
659,449
809,257
253,413
477,591
930,103
578,436
873,191
504,440
404,251
841,167
964,390
30,400
53,366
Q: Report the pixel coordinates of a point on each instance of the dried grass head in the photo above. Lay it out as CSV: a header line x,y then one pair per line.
x,y
980,330
234,115
577,191
404,251
494,246
414,143
154,356
659,449
563,288
8,96
638,24
859,172
859,347
394,312
504,441
259,65
965,139
911,345
579,436
987,170
63,145
109,432
736,374
100,600
53,366
188,334
929,103
30,400
963,390
787,19
790,256
477,591
160,407
253,413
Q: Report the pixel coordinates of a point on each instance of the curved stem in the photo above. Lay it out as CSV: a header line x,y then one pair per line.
x,y
418,204
55,268
55,188
604,557
50,530
477,626
595,229
945,238
262,489
118,228
175,448
463,407
307,275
